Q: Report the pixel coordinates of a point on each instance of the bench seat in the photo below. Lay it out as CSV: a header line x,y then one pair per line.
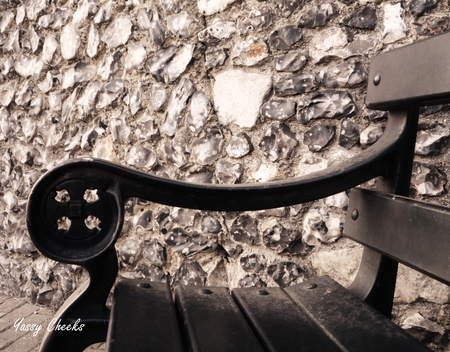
x,y
317,315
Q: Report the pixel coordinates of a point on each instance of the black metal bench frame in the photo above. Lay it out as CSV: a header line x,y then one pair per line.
x,y
400,81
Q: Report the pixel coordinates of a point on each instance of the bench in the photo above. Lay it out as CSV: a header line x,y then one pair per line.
x,y
317,315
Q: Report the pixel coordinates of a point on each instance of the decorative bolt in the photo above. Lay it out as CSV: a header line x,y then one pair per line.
x,y
377,79
355,214
263,292
144,285
206,291
310,286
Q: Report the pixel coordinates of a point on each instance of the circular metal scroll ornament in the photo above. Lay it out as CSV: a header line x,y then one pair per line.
x,y
80,238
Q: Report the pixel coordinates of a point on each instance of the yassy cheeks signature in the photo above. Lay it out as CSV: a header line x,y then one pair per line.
x,y
54,325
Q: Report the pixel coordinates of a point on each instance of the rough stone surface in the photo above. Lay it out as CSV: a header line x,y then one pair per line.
x,y
239,146
232,100
249,52
413,286
342,265
327,43
244,229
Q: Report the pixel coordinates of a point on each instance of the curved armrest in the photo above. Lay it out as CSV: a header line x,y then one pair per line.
x,y
115,183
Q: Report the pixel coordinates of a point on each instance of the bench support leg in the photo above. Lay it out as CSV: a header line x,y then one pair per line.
x,y
375,280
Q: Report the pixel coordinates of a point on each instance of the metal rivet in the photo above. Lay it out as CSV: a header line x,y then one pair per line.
x,y
144,285
206,291
355,214
377,79
263,292
311,286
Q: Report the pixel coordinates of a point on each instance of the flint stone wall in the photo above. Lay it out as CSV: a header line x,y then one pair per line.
x,y
216,92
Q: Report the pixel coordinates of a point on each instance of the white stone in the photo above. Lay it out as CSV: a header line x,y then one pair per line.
x,y
265,173
70,41
310,164
7,91
394,26
28,65
93,40
218,30
118,32
342,264
339,200
418,321
238,96
210,7
104,149
81,13
50,46
135,57
179,62
328,231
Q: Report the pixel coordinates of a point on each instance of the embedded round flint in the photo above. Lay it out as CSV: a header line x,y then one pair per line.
x,y
417,7
189,273
278,142
286,273
296,84
365,18
345,74
311,286
284,37
278,109
215,57
318,16
326,104
263,292
355,214
349,135
244,229
291,62
256,20
319,136
239,146
287,7
253,262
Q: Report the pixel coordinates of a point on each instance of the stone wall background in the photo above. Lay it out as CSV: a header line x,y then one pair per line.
x,y
219,91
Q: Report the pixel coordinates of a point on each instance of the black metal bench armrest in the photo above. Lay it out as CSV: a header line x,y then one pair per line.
x,y
115,183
